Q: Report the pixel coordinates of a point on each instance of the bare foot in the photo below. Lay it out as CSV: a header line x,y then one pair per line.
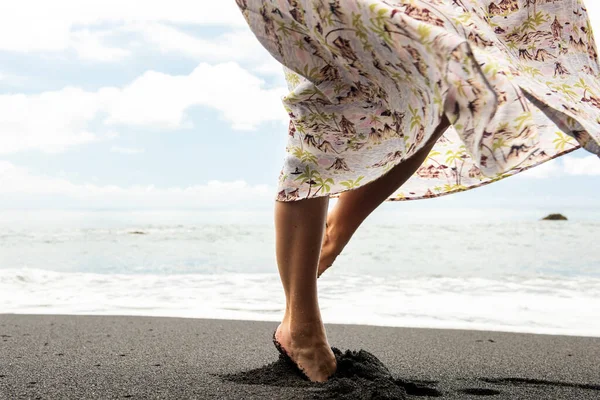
x,y
307,346
333,244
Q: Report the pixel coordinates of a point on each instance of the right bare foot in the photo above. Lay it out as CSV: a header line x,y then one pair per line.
x,y
334,242
308,347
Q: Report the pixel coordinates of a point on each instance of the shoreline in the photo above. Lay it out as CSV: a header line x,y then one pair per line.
x,y
252,318
99,356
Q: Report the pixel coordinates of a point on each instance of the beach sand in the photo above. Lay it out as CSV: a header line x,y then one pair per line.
x,y
119,357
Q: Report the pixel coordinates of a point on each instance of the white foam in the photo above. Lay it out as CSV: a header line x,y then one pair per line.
x,y
567,306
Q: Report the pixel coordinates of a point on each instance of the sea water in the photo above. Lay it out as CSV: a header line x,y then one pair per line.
x,y
487,271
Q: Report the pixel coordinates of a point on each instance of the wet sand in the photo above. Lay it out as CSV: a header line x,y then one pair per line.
x,y
120,357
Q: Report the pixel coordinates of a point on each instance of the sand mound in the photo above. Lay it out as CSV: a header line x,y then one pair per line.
x,y
359,375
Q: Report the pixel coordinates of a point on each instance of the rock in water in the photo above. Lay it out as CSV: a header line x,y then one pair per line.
x,y
555,217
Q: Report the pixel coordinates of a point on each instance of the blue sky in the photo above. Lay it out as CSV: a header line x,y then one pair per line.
x,y
174,106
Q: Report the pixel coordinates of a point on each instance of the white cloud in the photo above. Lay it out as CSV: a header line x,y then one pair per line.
x,y
588,166
161,100
34,25
565,166
230,46
20,188
126,150
239,45
90,46
593,9
12,79
54,121
269,67
548,169
50,121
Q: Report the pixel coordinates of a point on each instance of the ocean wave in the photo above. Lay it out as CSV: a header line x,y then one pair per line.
x,y
543,304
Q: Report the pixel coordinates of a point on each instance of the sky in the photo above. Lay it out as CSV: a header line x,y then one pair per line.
x,y
175,105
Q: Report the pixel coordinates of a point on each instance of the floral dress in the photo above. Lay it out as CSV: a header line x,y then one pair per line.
x,y
370,80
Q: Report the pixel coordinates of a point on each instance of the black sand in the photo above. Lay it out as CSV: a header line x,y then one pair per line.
x,y
113,357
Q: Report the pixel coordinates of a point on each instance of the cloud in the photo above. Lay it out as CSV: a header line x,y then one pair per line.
x,y
161,100
238,45
230,46
126,150
32,25
12,79
42,27
48,26
565,166
19,188
54,121
88,30
593,9
586,166
50,121
548,169
90,46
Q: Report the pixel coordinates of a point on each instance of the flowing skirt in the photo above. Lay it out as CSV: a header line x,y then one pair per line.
x,y
370,80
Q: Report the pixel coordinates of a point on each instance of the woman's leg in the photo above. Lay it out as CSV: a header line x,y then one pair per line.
x,y
299,227
354,206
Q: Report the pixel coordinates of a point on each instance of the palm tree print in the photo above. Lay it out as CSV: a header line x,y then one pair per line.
x,y
534,21
351,184
304,156
324,185
369,80
562,141
308,176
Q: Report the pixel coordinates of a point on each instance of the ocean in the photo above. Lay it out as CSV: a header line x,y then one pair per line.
x,y
487,271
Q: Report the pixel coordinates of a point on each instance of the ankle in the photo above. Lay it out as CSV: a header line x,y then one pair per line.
x,y
305,331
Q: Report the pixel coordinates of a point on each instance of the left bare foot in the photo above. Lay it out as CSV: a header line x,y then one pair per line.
x,y
308,347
